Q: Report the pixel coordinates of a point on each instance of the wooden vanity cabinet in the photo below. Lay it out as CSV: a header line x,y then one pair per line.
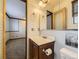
x,y
33,50
36,51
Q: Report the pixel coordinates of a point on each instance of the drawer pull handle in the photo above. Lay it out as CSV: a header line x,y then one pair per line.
x,y
47,51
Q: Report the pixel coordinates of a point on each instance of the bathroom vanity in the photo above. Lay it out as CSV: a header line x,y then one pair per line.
x,y
41,48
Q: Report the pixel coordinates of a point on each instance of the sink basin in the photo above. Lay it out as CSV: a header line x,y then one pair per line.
x,y
39,40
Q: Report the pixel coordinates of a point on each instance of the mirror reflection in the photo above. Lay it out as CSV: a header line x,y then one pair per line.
x,y
62,16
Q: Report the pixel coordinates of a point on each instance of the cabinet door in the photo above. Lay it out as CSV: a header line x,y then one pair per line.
x,y
42,54
33,50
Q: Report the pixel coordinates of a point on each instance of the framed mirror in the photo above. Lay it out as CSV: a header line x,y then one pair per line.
x,y
57,20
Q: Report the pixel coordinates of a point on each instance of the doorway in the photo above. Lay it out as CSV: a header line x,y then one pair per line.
x,y
16,37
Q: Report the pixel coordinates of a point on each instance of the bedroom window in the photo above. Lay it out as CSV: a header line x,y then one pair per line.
x,y
75,11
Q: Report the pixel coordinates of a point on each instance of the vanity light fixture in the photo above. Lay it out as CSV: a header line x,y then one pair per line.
x,y
43,3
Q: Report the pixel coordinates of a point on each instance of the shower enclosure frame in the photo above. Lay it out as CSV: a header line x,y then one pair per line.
x,y
4,30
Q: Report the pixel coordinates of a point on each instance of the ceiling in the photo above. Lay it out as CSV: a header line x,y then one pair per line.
x,y
51,4
55,2
16,8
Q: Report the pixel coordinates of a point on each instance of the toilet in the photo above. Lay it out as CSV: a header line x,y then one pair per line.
x,y
66,53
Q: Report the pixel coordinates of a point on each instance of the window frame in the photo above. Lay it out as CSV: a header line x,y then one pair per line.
x,y
76,13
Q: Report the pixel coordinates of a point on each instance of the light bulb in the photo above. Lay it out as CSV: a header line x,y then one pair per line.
x,y
42,4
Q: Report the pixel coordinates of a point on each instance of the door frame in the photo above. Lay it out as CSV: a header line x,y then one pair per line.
x,y
4,30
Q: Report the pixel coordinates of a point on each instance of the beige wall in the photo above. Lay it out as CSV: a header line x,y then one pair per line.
x,y
1,29
33,20
67,4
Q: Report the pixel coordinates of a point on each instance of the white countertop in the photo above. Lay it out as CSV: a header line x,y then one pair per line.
x,y
40,40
